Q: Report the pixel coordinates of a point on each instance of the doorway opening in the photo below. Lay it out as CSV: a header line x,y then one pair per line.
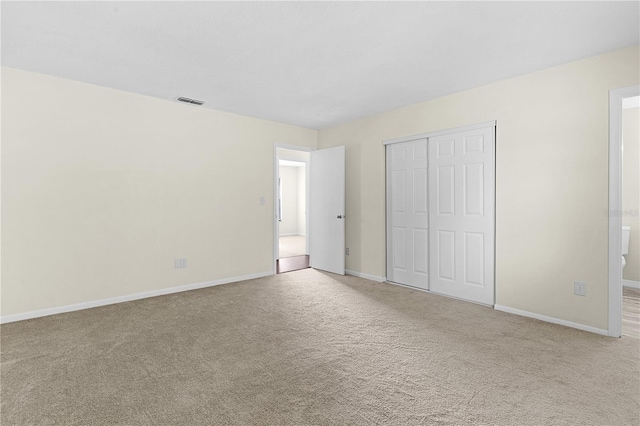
x,y
618,99
324,208
630,204
292,221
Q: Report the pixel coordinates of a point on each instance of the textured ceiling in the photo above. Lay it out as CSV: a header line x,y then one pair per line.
x,y
311,64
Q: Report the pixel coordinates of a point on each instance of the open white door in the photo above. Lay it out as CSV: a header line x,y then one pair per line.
x,y
326,209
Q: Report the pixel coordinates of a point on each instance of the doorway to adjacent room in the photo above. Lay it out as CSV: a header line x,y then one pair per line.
x,y
293,250
309,200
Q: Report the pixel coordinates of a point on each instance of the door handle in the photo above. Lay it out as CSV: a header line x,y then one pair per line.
x,y
340,216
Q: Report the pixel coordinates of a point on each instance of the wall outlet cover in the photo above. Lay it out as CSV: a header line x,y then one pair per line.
x,y
579,288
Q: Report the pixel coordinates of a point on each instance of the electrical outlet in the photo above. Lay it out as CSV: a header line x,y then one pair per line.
x,y
262,201
180,263
347,251
579,288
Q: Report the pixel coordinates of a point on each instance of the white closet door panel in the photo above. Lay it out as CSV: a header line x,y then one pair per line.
x,y
445,180
408,233
420,250
474,270
400,248
461,202
474,189
445,254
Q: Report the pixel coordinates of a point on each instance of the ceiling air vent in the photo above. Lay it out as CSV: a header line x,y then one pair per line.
x,y
190,101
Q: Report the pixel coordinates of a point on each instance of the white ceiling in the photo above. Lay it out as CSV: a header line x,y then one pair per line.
x,y
312,64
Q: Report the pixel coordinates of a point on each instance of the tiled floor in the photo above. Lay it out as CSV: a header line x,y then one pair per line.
x,y
292,245
631,312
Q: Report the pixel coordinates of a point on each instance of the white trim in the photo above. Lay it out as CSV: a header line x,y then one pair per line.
x,y
276,229
441,132
388,214
632,284
293,147
616,97
127,298
551,320
291,163
307,185
365,276
291,235
628,103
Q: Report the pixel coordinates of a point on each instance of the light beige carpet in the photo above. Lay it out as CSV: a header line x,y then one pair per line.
x,y
292,245
312,348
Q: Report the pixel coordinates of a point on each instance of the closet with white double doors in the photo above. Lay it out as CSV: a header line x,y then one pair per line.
x,y
441,212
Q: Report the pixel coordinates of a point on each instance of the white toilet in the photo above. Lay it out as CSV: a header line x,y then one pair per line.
x,y
626,231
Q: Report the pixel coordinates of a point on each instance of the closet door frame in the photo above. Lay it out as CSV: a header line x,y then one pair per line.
x,y
388,196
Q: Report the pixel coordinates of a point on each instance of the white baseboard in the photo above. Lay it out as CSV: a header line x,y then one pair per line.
x,y
127,298
291,235
629,283
551,320
366,276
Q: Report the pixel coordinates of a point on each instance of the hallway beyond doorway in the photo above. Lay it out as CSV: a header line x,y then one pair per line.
x,y
293,256
292,245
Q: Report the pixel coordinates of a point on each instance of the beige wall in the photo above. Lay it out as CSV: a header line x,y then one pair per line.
x,y
103,189
631,189
551,180
289,181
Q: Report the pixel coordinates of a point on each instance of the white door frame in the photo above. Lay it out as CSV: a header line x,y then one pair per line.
x,y
276,175
616,97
